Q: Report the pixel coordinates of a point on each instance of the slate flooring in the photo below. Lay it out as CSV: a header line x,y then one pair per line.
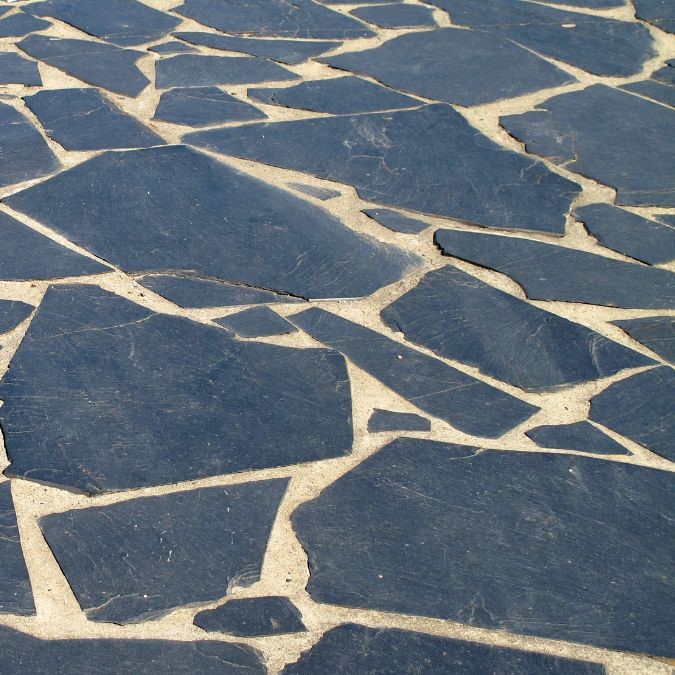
x,y
337,337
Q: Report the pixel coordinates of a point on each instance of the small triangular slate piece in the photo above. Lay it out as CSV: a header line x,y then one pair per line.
x,y
256,322
388,420
324,194
12,313
172,47
14,69
20,24
581,436
655,332
396,221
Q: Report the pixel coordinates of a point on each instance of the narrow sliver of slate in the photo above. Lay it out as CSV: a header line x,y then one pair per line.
x,y
388,420
172,47
581,436
324,194
655,332
396,221
256,322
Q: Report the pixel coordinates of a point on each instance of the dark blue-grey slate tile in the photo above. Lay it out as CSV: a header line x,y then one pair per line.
x,y
454,65
252,617
392,158
640,238
655,332
657,91
468,404
12,313
660,13
203,106
589,4
630,148
324,194
256,322
462,318
581,436
388,420
139,559
559,546
396,15
641,408
4,9
396,221
551,272
84,119
284,51
20,24
338,96
95,63
351,648
172,47
666,75
15,69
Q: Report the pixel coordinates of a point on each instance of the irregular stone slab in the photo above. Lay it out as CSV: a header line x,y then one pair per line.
x,y
657,91
172,47
666,74
466,403
396,15
454,65
628,233
282,18
14,69
387,420
122,22
641,408
590,4
324,194
252,617
203,106
194,70
25,653
95,63
660,13
284,51
249,231
596,44
130,407
655,332
256,322
581,436
396,221
12,313
183,548
633,152
20,24
84,119
339,96
550,272
489,537
352,648
390,158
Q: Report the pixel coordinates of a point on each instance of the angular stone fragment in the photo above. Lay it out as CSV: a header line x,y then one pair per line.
x,y
252,617
657,91
256,322
660,13
351,648
581,436
392,158
551,272
104,395
324,194
14,69
655,332
631,150
666,75
12,313
172,47
396,221
387,420
396,15
20,24
84,119
468,404
590,4
559,546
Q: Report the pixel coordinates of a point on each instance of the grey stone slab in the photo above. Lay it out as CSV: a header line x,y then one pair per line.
x,y
633,150
454,65
460,317
396,15
20,24
582,436
666,75
559,546
339,96
84,119
12,313
139,559
95,63
396,221
388,420
660,13
183,211
657,91
466,403
14,69
324,194
203,106
256,322
655,332
551,272
351,648
252,617
172,47
392,158
641,408
589,4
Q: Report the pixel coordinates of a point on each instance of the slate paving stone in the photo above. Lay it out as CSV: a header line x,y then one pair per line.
x,y
462,318
172,47
466,403
552,545
256,322
665,74
660,13
338,96
396,221
249,231
182,548
657,91
551,272
454,65
203,106
20,24
396,15
95,63
84,119
655,332
590,4
24,653
641,408
598,45
646,240
129,406
351,648
14,69
610,135
12,313
391,158
582,436
195,70
252,617
388,420
324,194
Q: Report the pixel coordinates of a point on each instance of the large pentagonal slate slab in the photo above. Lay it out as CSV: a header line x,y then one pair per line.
x,y
256,322
550,272
462,318
396,221
14,69
139,559
661,13
466,403
12,313
106,395
20,24
351,648
655,332
392,158
582,436
632,149
565,547
396,15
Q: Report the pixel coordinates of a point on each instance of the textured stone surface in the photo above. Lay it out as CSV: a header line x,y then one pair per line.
x,y
581,436
661,13
15,69
388,420
256,322
12,313
396,15
397,221
20,24
655,332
